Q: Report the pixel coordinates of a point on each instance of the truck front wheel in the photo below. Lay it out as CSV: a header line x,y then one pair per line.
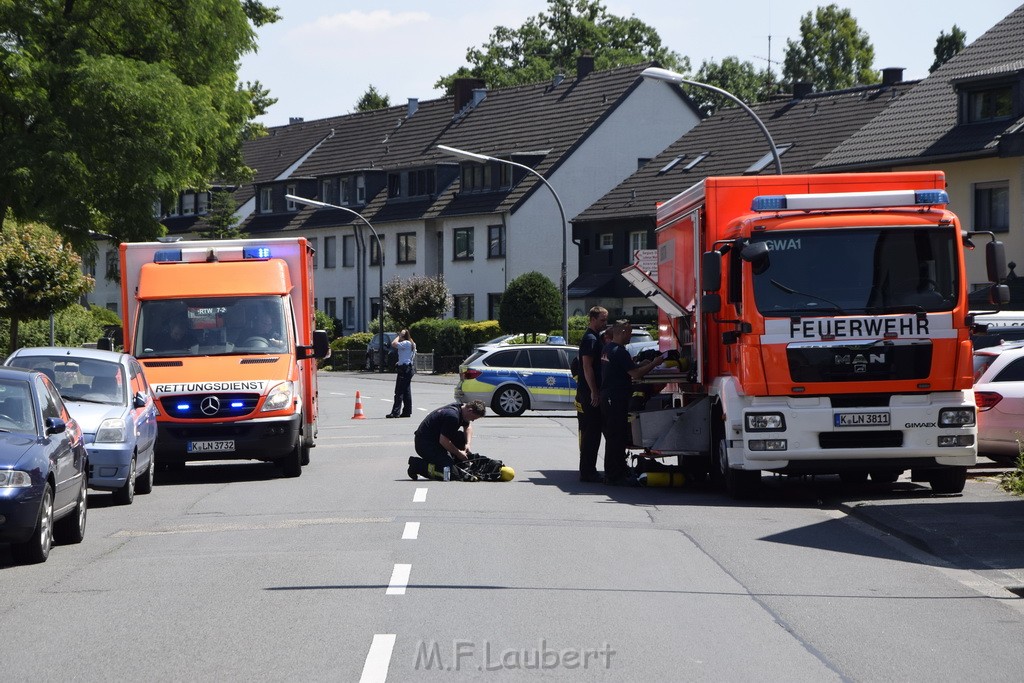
x,y
948,479
291,464
740,484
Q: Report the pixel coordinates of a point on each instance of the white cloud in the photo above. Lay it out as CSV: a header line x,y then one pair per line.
x,y
377,21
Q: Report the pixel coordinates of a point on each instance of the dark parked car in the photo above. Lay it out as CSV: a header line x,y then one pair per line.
x,y
43,466
108,395
373,352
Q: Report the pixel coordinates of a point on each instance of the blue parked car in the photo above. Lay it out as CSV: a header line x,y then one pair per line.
x,y
107,393
42,467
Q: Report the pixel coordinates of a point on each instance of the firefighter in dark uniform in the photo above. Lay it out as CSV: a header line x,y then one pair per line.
x,y
588,390
443,440
617,374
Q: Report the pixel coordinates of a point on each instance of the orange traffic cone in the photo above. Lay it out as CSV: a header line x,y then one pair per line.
x,y
359,409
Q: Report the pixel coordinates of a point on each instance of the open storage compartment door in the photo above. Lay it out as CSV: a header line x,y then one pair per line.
x,y
650,289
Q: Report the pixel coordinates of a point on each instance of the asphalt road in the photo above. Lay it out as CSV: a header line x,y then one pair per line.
x,y
230,572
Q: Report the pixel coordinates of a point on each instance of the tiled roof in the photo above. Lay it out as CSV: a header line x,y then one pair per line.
x,y
924,123
812,126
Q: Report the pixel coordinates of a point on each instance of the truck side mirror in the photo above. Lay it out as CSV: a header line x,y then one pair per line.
x,y
104,344
756,254
711,304
711,271
999,295
321,346
995,260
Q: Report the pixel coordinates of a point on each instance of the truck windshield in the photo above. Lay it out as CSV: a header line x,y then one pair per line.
x,y
858,271
207,326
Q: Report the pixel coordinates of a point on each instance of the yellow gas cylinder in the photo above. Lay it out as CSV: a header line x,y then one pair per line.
x,y
662,478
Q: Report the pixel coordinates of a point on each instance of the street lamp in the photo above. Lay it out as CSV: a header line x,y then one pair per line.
x,y
481,158
380,261
677,78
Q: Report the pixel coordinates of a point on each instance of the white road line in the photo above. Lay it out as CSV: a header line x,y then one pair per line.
x,y
411,531
399,579
378,659
420,496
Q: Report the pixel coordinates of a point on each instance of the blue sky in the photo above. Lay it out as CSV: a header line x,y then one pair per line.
x,y
321,57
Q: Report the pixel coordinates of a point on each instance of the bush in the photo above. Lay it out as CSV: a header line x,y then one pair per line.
x,y
477,333
425,334
354,342
322,321
72,326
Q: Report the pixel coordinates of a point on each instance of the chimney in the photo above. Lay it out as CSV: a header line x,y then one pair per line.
x,y
892,75
557,80
802,89
463,91
292,120
584,65
414,105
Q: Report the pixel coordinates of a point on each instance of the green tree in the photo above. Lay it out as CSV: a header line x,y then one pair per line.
x,y
833,51
531,304
109,105
415,298
39,274
947,46
550,42
221,219
742,79
372,100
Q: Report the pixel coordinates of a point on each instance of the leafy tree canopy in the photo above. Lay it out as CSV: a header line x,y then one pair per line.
x,y
742,79
833,52
549,43
947,46
39,274
108,105
415,298
531,304
372,100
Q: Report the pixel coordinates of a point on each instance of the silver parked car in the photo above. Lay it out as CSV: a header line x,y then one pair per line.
x,y
108,395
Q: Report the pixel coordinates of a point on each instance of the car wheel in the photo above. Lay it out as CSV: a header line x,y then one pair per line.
x,y
126,494
71,529
948,479
509,401
145,483
291,464
37,548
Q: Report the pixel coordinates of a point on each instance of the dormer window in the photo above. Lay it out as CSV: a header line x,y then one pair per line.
x,y
476,177
990,104
266,206
991,96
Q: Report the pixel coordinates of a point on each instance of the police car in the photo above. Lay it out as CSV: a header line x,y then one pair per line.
x,y
519,377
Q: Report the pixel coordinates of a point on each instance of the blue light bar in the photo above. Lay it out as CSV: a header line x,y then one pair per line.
x,y
182,407
256,252
931,197
237,404
775,202
167,256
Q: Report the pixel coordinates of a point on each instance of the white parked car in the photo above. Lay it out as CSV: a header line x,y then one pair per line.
x,y
999,392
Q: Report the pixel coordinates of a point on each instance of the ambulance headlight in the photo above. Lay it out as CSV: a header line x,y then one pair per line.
x,y
956,417
279,397
765,422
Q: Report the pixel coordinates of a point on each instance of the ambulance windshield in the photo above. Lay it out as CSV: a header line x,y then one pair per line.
x,y
853,271
211,326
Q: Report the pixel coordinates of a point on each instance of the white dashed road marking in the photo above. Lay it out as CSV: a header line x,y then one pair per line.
x,y
412,530
399,579
420,496
378,659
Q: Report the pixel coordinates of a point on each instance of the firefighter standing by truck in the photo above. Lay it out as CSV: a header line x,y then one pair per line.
x,y
588,389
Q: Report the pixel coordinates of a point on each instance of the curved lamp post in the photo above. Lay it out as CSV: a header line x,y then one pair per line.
x,y
481,158
380,261
677,78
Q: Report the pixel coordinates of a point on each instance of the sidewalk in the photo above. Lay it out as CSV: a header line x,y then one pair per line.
x,y
451,379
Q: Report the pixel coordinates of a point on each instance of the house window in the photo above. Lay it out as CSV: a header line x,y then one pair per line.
x,y
696,160
493,306
504,176
990,104
344,191
360,189
265,204
348,251
112,266
992,206
375,251
348,312
157,209
374,308
394,185
289,204
606,241
768,158
476,177
331,306
188,203
314,242
495,241
330,252
421,183
463,244
637,240
406,247
464,306
328,190
203,203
